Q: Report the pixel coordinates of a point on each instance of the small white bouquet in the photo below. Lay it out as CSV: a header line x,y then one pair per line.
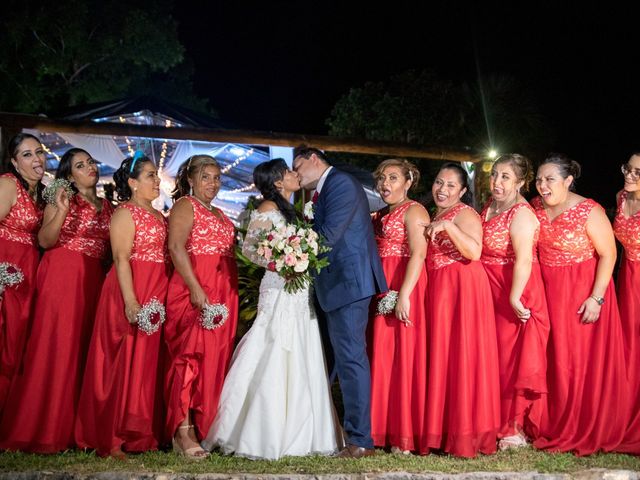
x,y
151,316
213,316
49,193
387,304
10,276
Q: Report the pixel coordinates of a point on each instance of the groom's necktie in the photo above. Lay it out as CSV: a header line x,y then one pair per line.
x,y
314,199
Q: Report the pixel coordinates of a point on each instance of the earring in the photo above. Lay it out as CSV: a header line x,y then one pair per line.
x,y
191,190
135,189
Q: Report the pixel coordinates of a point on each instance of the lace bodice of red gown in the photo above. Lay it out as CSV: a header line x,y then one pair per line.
x,y
211,234
150,242
564,241
442,251
627,230
496,238
85,230
23,220
389,230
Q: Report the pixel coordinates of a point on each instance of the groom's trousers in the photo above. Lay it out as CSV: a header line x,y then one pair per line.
x,y
347,327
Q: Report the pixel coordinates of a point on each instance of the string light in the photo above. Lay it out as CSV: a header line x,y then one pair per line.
x,y
54,154
237,161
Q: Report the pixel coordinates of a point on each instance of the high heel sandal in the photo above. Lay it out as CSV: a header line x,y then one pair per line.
x,y
513,441
194,453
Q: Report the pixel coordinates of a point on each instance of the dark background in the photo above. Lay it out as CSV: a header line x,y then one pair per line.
x,y
281,66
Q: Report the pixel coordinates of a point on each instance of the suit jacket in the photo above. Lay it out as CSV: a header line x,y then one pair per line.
x,y
341,216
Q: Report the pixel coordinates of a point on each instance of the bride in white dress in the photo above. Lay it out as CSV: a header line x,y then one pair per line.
x,y
276,399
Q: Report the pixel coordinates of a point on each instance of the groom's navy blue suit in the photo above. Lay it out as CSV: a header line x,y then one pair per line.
x,y
344,290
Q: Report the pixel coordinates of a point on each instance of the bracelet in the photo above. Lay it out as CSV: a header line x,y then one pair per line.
x,y
599,300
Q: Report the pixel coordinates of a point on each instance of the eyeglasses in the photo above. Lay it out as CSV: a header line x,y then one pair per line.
x,y
633,173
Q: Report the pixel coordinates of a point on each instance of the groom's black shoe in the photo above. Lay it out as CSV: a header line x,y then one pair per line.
x,y
353,451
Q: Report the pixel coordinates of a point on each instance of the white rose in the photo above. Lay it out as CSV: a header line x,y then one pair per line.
x,y
308,210
301,266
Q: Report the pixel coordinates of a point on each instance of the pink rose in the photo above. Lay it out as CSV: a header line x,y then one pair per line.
x,y
290,260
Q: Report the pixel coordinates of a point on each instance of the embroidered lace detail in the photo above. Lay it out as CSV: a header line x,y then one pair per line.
x,y
442,251
85,230
150,242
260,221
210,234
23,220
391,235
564,241
627,230
496,239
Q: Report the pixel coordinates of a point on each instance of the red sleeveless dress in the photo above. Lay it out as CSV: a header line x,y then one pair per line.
x,y
627,230
19,247
398,354
586,375
522,347
462,415
199,358
121,401
41,407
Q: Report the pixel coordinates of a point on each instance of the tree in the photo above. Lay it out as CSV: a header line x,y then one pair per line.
x,y
421,107
59,54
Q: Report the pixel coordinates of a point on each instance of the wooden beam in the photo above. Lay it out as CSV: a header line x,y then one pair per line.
x,y
247,137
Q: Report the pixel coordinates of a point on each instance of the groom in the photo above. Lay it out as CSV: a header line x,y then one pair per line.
x,y
344,289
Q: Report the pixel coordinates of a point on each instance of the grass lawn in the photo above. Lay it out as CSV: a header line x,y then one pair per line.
x,y
522,460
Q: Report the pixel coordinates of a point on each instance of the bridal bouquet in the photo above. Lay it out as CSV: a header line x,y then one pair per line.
x,y
292,251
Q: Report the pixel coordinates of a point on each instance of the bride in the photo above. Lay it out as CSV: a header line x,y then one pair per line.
x,y
276,400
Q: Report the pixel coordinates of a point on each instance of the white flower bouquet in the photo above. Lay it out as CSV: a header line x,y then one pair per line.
x,y
10,276
293,251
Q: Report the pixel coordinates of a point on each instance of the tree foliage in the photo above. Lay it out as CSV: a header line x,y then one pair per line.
x,y
58,54
496,111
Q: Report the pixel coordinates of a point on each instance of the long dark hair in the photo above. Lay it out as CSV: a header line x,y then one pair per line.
x,y
463,178
189,169
265,176
125,172
65,167
8,167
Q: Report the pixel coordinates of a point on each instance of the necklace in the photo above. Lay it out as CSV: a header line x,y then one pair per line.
x,y
496,209
209,207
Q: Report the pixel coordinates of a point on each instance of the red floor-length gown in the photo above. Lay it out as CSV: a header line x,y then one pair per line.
x,y
199,358
397,353
586,375
121,401
463,389
18,247
522,347
41,406
627,230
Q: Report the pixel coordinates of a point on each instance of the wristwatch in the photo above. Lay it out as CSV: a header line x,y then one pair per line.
x,y
599,300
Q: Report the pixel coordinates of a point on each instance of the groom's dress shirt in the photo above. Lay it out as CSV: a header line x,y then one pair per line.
x,y
323,177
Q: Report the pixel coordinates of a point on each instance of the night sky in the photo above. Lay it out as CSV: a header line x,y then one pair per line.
x,y
281,66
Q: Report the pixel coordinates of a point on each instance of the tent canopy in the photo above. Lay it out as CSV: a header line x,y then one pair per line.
x,y
236,161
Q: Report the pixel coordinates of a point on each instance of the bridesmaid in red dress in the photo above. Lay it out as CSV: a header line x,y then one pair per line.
x,y
509,255
41,407
463,389
627,229
20,218
202,246
398,340
120,406
588,395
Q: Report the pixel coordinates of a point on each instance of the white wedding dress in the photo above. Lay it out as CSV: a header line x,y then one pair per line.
x,y
276,400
